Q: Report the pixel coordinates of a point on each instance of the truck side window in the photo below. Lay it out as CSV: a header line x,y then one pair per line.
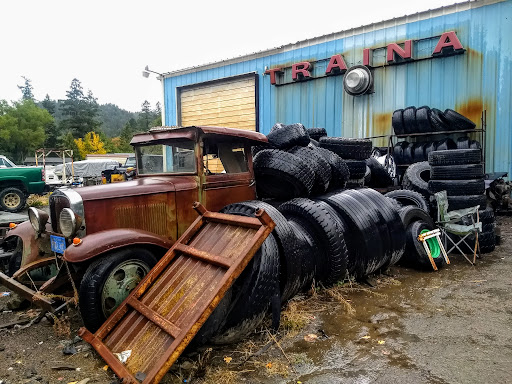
x,y
175,157
224,157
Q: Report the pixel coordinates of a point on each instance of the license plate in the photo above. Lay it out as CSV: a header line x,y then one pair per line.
x,y
58,244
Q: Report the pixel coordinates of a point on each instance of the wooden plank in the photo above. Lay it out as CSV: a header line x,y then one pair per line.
x,y
201,90
217,106
204,256
26,292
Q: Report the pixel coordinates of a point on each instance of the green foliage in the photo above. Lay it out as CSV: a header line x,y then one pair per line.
x,y
79,111
26,89
22,128
91,143
146,116
68,142
52,132
113,119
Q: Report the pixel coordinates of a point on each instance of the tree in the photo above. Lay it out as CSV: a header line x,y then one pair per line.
x,y
91,143
80,111
157,120
26,90
51,131
146,115
22,128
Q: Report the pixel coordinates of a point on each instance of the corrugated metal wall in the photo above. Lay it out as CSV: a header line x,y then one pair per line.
x,y
480,79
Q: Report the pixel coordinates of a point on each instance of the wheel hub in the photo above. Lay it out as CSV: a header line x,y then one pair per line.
x,y
120,282
11,200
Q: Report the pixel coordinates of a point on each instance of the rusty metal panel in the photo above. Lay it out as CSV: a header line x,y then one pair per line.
x,y
164,312
477,80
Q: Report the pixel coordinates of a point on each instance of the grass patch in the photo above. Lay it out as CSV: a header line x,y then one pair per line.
x,y
37,201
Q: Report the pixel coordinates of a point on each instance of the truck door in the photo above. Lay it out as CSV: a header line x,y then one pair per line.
x,y
227,173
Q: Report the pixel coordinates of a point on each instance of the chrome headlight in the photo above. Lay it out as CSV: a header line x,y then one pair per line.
x,y
68,222
38,219
357,80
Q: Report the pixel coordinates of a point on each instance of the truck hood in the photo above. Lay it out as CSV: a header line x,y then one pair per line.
x,y
137,187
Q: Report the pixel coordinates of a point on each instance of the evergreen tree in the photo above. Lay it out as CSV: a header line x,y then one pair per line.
x,y
80,111
146,115
157,120
26,89
51,131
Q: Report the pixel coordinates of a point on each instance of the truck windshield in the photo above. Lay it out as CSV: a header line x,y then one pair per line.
x,y
175,157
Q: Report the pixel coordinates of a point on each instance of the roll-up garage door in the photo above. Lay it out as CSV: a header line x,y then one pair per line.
x,y
225,103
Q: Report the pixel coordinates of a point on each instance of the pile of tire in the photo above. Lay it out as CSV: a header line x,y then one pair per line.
x,y
327,239
355,153
424,120
294,166
461,174
405,152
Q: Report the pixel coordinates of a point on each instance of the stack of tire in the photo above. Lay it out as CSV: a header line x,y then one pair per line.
x,y
461,174
405,152
327,239
354,152
413,120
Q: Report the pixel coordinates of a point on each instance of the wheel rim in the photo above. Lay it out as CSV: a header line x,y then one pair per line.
x,y
120,282
11,200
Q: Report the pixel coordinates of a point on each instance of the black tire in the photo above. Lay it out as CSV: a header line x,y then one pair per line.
x,y
339,169
397,121
380,177
328,230
460,172
375,213
290,255
460,202
398,152
320,167
457,187
407,197
252,293
438,121
313,143
408,154
12,199
418,152
458,121
429,147
282,175
409,116
463,142
362,235
410,214
287,136
445,144
356,169
354,183
390,210
357,149
455,157
415,254
316,133
416,178
423,119
257,148
367,176
486,215
94,307
307,247
475,144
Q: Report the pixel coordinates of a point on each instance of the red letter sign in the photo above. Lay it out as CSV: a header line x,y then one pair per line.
x,y
301,68
448,39
367,53
272,73
405,53
336,63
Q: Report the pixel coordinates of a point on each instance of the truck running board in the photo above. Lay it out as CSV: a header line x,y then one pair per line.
x,y
163,313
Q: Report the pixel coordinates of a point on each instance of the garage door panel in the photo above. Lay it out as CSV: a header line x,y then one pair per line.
x,y
230,103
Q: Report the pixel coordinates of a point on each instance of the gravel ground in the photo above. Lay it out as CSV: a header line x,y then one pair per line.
x,y
451,326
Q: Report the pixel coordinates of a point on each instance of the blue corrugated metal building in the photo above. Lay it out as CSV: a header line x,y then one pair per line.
x,y
476,79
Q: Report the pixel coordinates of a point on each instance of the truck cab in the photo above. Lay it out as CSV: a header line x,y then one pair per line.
x,y
112,234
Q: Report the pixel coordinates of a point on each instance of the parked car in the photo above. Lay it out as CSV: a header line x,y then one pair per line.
x,y
111,235
17,183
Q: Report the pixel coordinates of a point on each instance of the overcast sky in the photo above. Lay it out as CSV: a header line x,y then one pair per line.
x,y
106,44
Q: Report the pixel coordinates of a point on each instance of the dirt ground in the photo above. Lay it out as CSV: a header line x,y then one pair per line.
x,y
451,326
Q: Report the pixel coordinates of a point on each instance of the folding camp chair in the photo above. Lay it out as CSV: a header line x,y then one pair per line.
x,y
460,223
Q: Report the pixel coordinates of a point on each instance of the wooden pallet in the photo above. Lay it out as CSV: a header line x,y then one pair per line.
x,y
163,313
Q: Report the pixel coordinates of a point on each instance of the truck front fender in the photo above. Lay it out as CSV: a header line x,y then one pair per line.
x,y
32,246
105,241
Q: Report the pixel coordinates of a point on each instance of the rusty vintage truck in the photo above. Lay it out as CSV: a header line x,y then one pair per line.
x,y
105,239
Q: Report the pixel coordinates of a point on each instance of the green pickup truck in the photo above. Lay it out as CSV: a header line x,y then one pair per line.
x,y
17,183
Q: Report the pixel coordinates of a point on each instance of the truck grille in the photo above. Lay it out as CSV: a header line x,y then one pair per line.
x,y
57,204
